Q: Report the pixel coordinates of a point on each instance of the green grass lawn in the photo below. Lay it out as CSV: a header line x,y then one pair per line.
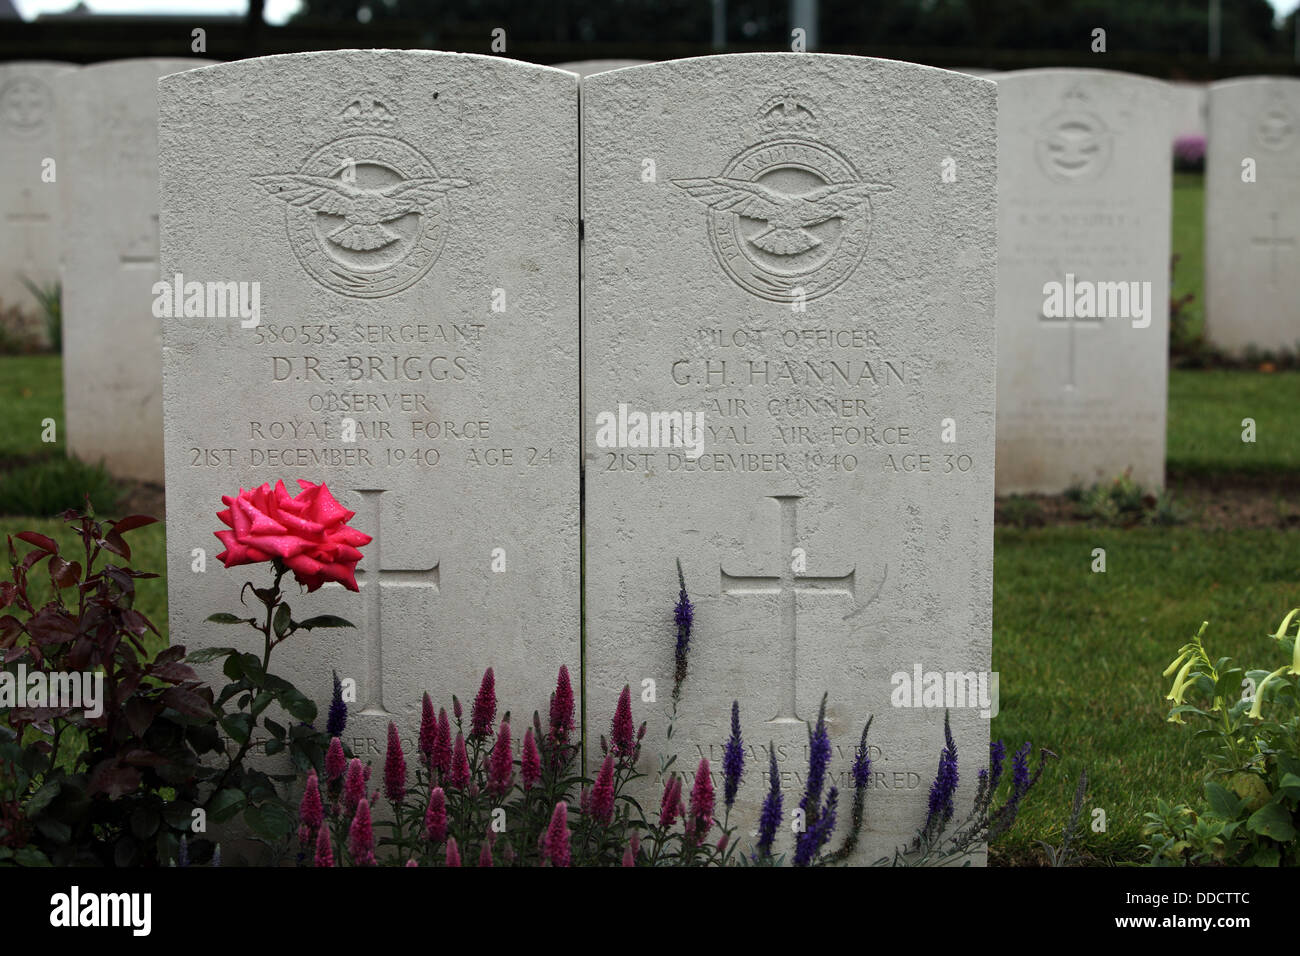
x,y
1081,655
1206,409
31,390
1188,242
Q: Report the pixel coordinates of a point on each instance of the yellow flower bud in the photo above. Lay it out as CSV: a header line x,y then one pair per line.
x,y
1255,713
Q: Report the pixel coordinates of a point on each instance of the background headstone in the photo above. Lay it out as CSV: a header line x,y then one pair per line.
x,y
29,191
1252,229
1084,191
112,342
465,456
829,537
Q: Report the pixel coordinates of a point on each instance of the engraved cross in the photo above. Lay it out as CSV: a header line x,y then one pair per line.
x,y
1273,243
372,581
28,215
786,584
1070,323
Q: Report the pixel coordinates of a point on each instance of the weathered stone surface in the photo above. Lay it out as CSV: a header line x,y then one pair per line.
x,y
1252,215
591,67
1084,201
29,192
112,342
829,536
386,202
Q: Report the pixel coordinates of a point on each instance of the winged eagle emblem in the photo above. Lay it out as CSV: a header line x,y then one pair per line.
x,y
787,215
364,210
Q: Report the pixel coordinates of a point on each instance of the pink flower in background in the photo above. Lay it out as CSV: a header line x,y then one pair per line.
x,y
628,858
309,533
361,837
485,855
602,793
458,775
501,766
530,761
435,818
453,853
324,852
555,841
394,767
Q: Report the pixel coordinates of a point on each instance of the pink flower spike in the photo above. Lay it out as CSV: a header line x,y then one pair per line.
x,y
628,858
354,787
435,818
484,710
361,838
485,856
635,843
458,775
311,812
428,730
411,862
324,852
394,767
561,708
501,765
453,853
441,755
670,806
336,763
530,761
701,816
622,731
555,842
602,793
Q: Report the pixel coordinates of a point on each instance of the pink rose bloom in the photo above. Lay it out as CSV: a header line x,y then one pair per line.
x,y
309,533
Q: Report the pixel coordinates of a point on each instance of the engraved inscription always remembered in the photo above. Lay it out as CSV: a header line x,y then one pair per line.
x,y
789,218
367,213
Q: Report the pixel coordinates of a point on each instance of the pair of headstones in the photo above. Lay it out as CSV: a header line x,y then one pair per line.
x,y
80,196
785,307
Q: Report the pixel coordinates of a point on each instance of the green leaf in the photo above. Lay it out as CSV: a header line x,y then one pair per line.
x,y
238,726
56,830
1222,803
30,856
1273,821
1290,785
276,729
269,821
252,669
298,706
282,618
225,804
324,620
203,655
225,617
41,798
274,746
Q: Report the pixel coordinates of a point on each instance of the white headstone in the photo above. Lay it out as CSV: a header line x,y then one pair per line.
x,y
29,191
592,67
412,219
772,242
112,342
1252,215
1083,278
